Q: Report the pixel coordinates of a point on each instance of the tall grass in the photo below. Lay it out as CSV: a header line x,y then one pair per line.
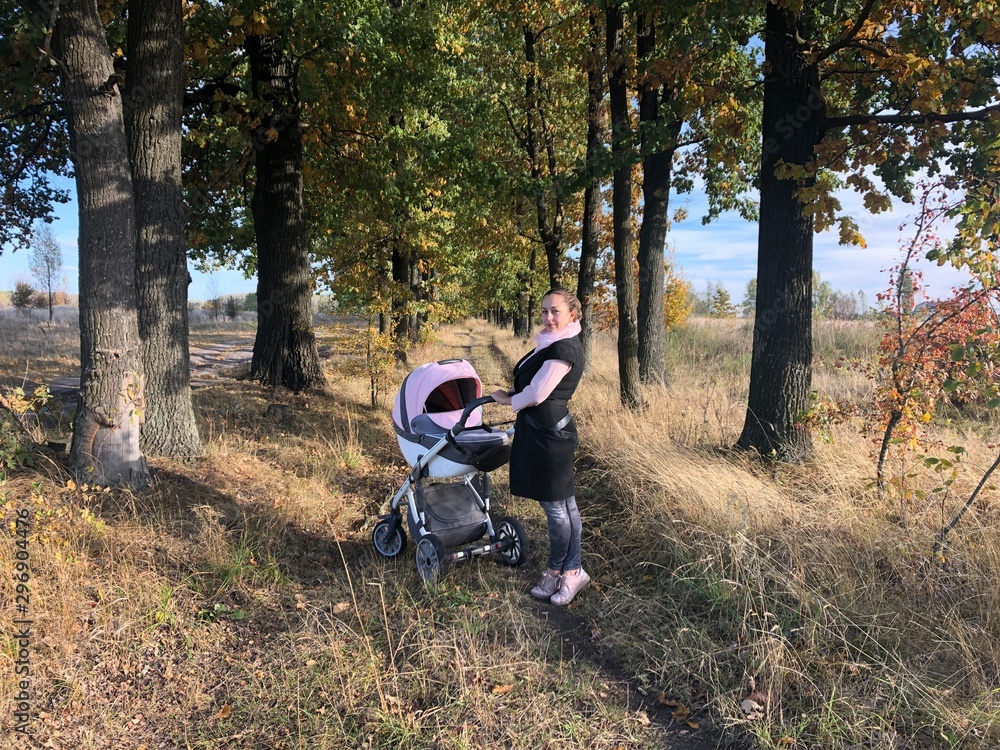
x,y
797,584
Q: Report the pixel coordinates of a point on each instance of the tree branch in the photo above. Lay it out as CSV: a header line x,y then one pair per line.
x,y
838,123
848,38
939,541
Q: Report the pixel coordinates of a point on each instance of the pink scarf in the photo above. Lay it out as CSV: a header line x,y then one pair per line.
x,y
544,339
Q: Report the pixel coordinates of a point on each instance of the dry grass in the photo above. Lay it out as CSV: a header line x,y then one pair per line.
x,y
32,349
797,583
238,603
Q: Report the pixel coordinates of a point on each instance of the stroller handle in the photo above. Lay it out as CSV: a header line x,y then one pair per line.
x,y
458,428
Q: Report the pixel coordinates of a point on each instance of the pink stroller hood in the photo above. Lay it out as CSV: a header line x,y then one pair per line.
x,y
441,390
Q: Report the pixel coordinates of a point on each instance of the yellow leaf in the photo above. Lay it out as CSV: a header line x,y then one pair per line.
x,y
224,712
70,484
502,689
236,20
681,713
340,607
693,724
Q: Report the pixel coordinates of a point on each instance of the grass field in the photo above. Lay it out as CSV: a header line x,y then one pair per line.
x,y
238,602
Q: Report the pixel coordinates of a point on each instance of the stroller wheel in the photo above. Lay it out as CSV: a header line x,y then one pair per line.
x,y
510,533
389,544
431,561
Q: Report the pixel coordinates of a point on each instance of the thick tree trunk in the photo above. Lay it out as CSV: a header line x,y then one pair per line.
x,y
540,149
284,352
105,448
628,343
781,370
153,123
656,171
589,245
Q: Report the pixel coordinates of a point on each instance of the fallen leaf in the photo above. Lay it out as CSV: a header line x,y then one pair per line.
x,y
752,709
341,607
502,689
681,713
643,719
224,712
787,742
663,700
693,724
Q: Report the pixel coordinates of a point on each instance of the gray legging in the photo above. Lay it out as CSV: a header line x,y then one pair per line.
x,y
564,533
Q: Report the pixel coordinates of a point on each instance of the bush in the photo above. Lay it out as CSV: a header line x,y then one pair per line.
x,y
19,425
233,307
22,296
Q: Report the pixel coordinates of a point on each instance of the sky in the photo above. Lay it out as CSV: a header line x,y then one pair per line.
x,y
724,251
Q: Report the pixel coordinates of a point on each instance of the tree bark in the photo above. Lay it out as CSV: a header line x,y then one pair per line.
x,y
153,104
105,449
656,179
589,245
628,343
401,286
781,369
284,352
540,148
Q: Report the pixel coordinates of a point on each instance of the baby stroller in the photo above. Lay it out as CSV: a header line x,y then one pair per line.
x,y
438,419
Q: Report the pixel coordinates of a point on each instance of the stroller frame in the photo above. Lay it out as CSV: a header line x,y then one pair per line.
x,y
508,541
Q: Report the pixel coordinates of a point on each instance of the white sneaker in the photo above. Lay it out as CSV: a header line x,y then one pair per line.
x,y
547,586
571,586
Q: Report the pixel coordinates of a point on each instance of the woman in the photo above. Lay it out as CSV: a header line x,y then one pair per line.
x,y
541,463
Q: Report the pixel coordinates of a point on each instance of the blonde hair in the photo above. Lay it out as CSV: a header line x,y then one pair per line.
x,y
571,301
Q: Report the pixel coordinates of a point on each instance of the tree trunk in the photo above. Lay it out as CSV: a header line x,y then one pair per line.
x,y
589,245
153,123
540,148
628,343
401,283
656,171
284,352
105,448
781,369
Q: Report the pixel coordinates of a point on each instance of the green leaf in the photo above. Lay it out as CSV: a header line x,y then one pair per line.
x,y
950,385
958,353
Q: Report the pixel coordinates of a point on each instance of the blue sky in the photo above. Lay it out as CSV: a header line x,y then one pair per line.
x,y
724,251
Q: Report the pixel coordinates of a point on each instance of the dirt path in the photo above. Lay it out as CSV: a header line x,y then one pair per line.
x,y
210,363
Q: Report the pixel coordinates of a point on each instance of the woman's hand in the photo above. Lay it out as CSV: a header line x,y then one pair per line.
x,y
501,397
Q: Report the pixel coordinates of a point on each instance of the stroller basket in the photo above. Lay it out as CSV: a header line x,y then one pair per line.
x,y
449,512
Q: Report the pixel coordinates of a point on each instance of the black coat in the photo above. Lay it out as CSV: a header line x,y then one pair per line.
x,y
541,461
